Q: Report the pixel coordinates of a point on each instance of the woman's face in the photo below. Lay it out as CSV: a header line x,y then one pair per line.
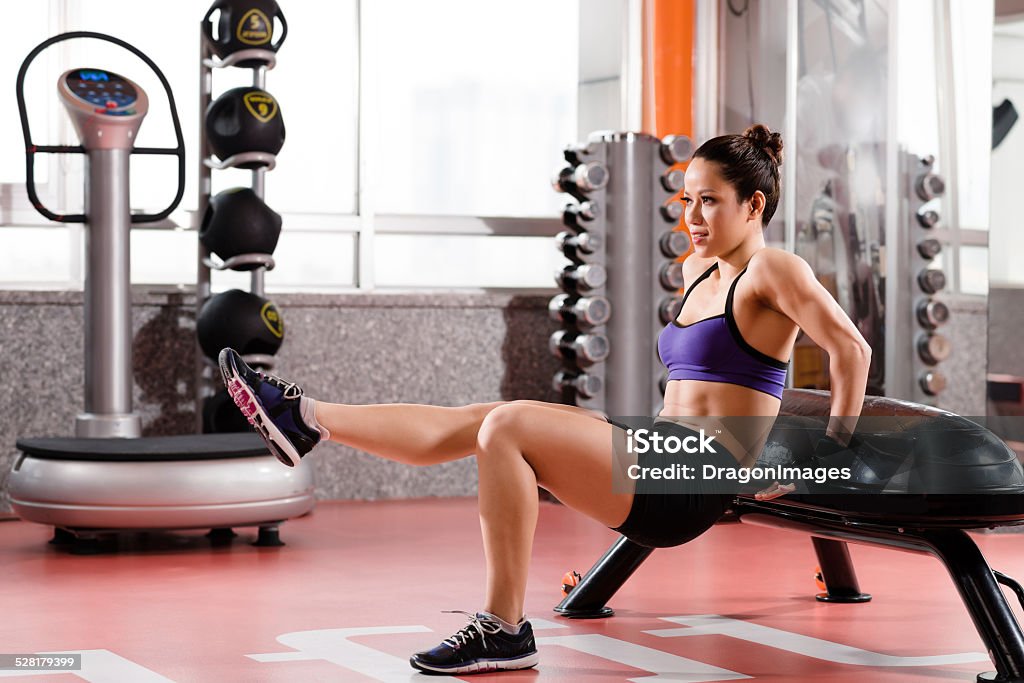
x,y
715,217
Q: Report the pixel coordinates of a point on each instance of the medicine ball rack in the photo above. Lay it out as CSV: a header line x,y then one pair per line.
x,y
259,60
222,54
623,261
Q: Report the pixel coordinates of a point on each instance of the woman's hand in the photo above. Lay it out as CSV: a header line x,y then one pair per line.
x,y
774,491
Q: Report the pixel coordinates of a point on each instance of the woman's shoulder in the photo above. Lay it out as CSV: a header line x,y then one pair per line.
x,y
770,261
773,272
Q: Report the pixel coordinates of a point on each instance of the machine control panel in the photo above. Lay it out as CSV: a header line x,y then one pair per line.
x,y
109,93
106,108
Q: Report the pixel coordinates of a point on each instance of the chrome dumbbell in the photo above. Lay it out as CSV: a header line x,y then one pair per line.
x,y
573,215
933,348
587,311
585,349
582,178
931,280
673,180
670,275
674,244
584,278
932,382
576,246
576,152
675,149
668,309
927,219
672,211
929,186
584,384
929,248
931,313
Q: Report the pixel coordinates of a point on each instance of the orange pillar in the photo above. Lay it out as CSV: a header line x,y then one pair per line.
x,y
668,47
668,66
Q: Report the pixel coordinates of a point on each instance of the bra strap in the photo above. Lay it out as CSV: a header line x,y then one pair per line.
x,y
704,276
732,292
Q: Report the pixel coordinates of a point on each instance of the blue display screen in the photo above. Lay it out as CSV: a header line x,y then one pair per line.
x,y
102,89
93,75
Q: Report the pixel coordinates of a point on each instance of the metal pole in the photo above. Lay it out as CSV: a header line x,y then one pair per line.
x,y
108,312
630,273
203,201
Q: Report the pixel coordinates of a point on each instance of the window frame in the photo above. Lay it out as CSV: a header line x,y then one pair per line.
x,y
365,223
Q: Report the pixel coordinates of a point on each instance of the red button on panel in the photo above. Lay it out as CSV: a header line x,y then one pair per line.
x,y
111,104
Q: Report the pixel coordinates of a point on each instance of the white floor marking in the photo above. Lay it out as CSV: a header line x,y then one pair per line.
x,y
99,666
332,645
705,624
665,666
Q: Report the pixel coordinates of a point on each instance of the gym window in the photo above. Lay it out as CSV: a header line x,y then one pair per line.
x,y
437,134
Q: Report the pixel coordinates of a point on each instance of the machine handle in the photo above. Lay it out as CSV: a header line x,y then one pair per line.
x,y
31,149
30,178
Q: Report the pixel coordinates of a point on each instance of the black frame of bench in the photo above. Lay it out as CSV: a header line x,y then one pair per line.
x,y
975,580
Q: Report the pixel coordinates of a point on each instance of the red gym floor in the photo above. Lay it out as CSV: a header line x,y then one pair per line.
x,y
359,586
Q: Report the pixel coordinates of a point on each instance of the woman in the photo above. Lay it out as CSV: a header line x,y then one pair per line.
x,y
730,363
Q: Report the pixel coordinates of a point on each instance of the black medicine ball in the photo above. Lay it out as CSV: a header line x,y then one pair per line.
x,y
244,321
221,415
244,25
237,222
244,120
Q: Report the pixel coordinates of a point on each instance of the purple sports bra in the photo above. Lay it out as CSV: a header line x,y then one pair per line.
x,y
713,350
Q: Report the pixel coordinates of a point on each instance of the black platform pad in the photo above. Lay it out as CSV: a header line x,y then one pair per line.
x,y
153,448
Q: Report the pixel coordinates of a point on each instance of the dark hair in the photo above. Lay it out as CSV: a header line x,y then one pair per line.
x,y
748,162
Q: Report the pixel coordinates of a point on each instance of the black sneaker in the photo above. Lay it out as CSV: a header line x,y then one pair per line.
x,y
272,407
481,646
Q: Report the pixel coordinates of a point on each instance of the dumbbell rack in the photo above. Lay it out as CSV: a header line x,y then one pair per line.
x,y
625,248
267,59
918,313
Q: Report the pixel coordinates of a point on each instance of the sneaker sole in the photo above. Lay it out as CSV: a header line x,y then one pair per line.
x,y
480,666
276,441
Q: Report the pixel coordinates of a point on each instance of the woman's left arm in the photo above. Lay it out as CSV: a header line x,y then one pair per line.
x,y
786,283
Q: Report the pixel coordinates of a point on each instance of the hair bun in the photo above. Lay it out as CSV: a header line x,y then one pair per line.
x,y
764,139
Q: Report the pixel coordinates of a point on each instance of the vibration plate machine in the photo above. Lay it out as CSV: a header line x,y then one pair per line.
x,y
108,478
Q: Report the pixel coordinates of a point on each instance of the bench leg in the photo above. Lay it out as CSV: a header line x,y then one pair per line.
x,y
987,605
588,599
837,571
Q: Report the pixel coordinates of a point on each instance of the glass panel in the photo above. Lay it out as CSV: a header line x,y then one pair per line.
x,y
168,36
916,111
305,261
974,270
33,27
971,26
753,79
36,256
313,261
316,82
472,122
1006,239
163,257
841,164
316,168
466,261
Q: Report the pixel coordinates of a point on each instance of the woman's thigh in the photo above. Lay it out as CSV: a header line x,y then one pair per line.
x,y
571,453
586,412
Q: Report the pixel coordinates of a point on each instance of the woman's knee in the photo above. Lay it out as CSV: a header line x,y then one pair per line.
x,y
500,425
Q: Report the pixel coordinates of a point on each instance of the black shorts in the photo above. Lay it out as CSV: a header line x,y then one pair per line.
x,y
669,513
